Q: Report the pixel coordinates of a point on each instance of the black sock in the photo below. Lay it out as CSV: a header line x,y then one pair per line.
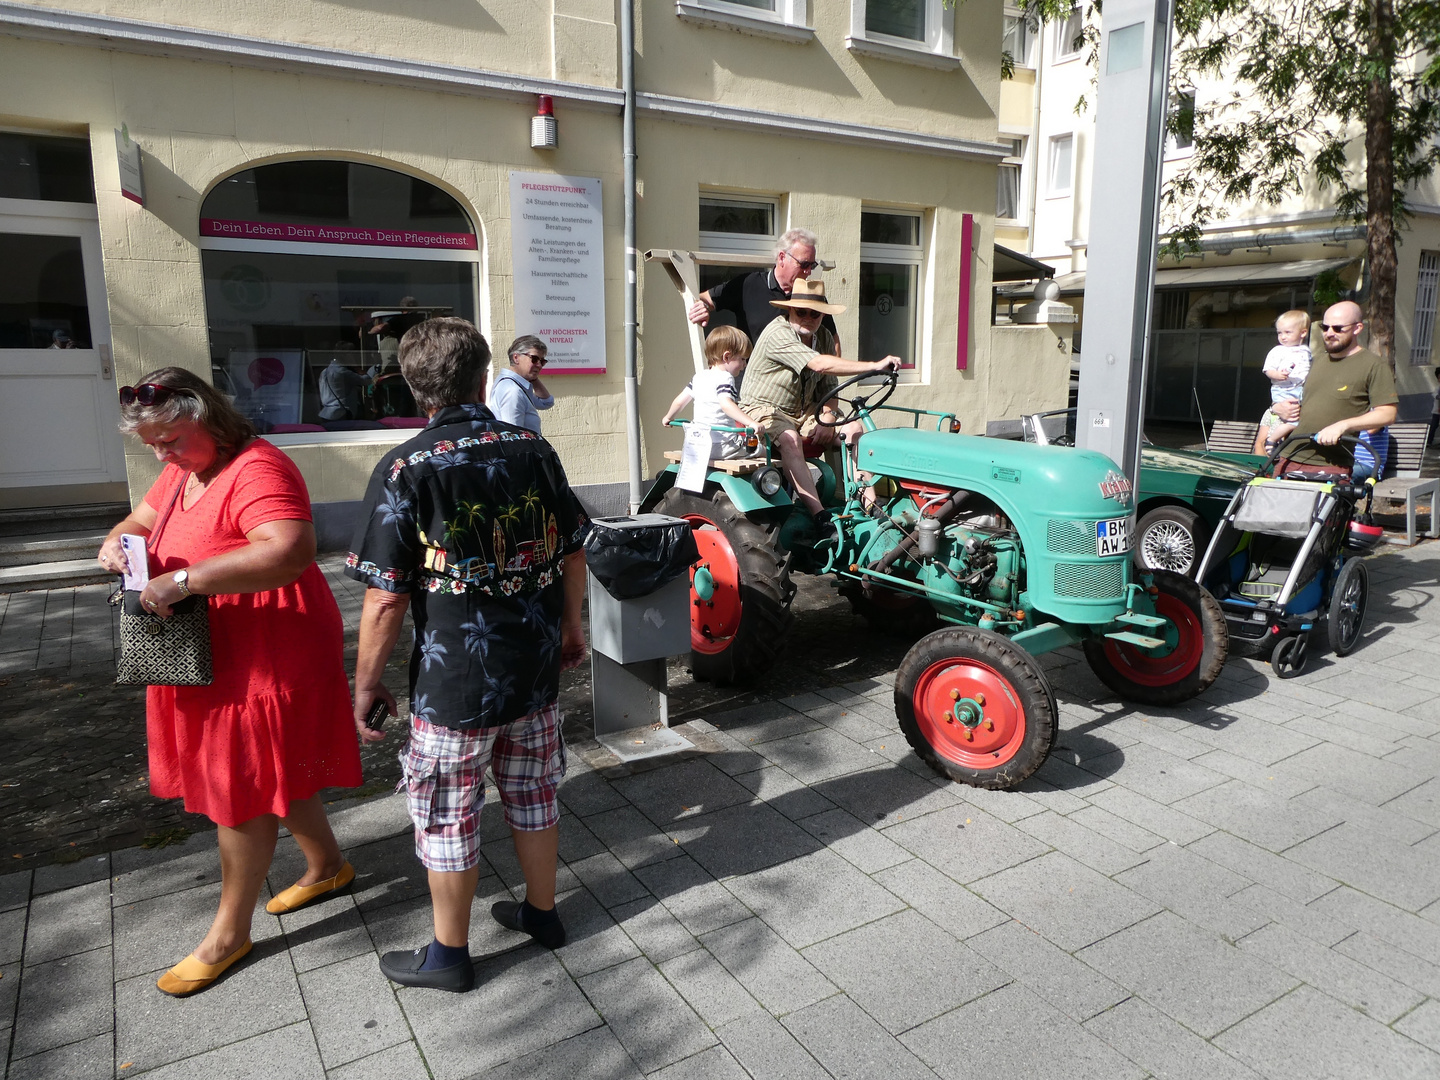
x,y
531,916
444,956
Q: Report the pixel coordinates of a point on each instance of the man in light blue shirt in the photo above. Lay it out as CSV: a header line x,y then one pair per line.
x,y
518,394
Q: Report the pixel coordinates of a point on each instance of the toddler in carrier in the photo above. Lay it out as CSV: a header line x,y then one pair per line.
x,y
1286,366
715,394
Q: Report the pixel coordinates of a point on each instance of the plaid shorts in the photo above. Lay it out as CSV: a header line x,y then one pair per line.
x,y
444,783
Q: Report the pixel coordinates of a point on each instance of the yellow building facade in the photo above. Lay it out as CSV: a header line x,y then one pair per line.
x,y
308,165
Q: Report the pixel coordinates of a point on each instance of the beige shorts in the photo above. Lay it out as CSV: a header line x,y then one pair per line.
x,y
773,424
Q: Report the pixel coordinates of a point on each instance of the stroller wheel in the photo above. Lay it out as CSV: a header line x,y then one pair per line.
x,y
1290,655
1347,607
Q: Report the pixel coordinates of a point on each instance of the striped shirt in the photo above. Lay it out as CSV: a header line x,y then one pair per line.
x,y
777,379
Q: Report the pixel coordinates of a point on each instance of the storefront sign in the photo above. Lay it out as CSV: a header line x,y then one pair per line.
x,y
132,184
558,253
333,234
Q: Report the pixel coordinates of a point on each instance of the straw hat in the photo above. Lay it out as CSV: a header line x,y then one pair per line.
x,y
809,293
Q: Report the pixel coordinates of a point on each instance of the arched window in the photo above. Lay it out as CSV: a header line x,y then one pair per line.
x,y
313,271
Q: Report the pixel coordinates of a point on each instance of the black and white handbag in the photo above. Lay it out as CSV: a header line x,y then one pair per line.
x,y
174,651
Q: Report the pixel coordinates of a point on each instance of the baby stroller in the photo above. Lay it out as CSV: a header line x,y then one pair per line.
x,y
1283,557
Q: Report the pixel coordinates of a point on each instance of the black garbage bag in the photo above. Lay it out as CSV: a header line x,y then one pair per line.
x,y
634,556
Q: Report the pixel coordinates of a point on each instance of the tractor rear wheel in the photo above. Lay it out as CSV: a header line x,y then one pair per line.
x,y
739,633
976,707
1198,646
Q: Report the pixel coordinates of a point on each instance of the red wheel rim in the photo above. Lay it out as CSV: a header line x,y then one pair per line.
x,y
714,622
945,688
1148,669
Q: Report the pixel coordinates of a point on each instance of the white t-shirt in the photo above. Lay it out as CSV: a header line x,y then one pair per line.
x,y
707,388
1297,359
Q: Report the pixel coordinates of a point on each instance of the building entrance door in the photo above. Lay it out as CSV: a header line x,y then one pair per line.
x,y
58,403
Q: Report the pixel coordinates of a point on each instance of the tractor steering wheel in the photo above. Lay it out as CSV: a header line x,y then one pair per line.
x,y
861,403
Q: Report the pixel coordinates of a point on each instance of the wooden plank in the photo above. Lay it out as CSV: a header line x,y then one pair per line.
x,y
732,466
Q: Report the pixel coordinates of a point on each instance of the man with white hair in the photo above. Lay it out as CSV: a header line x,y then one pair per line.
x,y
744,301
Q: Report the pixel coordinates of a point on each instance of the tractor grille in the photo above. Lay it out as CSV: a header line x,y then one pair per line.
x,y
1090,581
1067,537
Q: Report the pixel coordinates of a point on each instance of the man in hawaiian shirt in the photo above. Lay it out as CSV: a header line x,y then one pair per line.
x,y
473,523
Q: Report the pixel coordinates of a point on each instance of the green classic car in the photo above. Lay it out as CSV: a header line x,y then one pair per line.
x,y
1181,497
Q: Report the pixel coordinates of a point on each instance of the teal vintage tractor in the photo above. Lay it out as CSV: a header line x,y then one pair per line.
x,y
1009,549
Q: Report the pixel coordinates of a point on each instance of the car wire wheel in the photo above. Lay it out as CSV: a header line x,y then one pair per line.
x,y
1170,538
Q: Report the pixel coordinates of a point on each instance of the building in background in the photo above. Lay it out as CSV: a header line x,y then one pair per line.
x,y
259,192
1214,313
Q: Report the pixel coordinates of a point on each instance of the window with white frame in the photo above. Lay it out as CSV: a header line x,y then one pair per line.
x,y
737,225
891,258
1060,165
1180,125
1068,43
1008,205
904,29
788,18
1427,300
1019,39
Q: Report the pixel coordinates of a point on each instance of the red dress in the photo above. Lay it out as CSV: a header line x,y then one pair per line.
x,y
276,724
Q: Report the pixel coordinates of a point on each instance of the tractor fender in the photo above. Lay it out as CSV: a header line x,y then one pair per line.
x,y
738,489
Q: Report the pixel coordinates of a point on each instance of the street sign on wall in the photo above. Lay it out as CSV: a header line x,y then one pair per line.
x,y
558,254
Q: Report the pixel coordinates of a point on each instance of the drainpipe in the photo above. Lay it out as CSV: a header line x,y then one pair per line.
x,y
632,389
1034,148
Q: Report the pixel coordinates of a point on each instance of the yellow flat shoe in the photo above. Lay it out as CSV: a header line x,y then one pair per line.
x,y
190,976
297,896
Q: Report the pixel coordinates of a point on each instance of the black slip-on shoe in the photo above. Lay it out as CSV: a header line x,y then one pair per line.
x,y
508,914
404,968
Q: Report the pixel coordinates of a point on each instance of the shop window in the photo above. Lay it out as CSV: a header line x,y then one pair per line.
x,y
741,225
1008,206
45,168
43,304
314,268
890,260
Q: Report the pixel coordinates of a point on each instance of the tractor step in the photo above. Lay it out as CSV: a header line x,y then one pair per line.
x,y
1144,622
1140,641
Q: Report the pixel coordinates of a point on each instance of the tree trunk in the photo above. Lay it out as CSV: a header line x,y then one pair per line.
x,y
1380,180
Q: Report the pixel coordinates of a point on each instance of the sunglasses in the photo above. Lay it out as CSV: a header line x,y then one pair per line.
x,y
1336,327
804,264
808,313
146,394
540,361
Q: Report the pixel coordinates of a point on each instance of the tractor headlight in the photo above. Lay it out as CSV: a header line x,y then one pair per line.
x,y
767,481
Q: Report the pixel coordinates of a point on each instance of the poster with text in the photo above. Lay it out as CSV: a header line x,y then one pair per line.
x,y
267,386
558,252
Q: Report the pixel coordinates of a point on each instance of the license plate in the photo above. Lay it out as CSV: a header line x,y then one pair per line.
x,y
1112,537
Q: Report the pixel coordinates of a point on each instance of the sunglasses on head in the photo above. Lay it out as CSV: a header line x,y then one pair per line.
x,y
1336,327
146,394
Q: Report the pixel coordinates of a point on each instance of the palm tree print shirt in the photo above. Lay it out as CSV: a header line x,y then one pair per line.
x,y
472,518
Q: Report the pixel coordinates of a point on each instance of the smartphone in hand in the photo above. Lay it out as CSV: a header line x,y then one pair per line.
x,y
375,718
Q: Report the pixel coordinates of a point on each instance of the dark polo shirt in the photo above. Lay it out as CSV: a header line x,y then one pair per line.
x,y
744,301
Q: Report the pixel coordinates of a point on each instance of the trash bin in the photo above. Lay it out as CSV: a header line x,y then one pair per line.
x,y
639,596
640,586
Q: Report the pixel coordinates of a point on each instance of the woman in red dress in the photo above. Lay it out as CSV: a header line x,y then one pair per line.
x,y
253,749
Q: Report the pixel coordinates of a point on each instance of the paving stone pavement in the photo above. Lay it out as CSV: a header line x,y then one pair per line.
x,y
1247,885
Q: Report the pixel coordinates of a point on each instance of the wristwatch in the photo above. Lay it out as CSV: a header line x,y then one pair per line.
x,y
182,580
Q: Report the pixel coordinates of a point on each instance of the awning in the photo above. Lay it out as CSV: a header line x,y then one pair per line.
x,y
1012,266
1180,277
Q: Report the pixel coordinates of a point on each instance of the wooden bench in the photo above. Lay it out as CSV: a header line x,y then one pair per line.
x,y
733,466
1232,436
1403,482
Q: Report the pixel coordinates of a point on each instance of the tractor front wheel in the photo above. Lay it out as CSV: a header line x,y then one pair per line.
x,y
1197,644
740,630
976,707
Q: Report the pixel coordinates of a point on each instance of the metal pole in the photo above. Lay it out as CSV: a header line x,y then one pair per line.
x,y
1131,103
632,388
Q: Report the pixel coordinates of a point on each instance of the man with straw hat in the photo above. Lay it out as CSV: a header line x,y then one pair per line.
x,y
789,377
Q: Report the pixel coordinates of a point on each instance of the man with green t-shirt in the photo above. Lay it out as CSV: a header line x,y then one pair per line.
x,y
1350,391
